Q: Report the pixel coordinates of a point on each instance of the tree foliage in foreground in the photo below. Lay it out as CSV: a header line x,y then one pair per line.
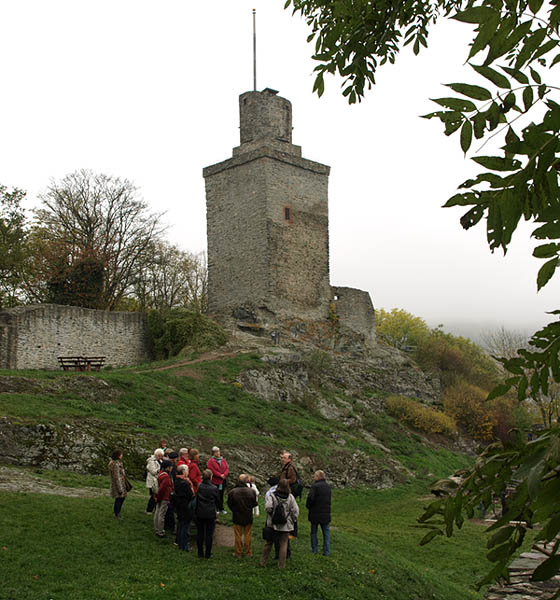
x,y
511,101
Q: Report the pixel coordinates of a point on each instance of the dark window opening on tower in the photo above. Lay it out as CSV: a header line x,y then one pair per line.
x,y
287,214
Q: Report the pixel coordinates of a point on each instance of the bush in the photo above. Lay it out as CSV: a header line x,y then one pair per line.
x,y
174,330
419,416
466,403
456,357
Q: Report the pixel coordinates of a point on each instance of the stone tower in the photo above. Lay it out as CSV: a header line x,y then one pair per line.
x,y
267,220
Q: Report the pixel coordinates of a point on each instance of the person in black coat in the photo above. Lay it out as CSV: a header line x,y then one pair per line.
x,y
207,502
183,494
319,505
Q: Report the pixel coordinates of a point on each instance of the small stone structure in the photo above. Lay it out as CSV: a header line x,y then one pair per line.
x,y
32,337
267,224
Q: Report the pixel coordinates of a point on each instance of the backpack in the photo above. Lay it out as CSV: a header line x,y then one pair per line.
x,y
279,514
297,487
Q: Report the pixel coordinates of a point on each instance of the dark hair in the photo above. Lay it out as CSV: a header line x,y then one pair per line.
x,y
272,481
283,486
166,464
117,453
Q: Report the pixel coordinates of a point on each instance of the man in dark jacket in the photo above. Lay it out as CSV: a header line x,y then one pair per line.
x,y
319,505
207,500
241,501
183,497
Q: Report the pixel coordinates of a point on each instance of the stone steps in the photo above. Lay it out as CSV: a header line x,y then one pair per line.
x,y
520,587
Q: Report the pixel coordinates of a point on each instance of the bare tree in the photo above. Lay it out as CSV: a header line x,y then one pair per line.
x,y
172,278
94,216
507,343
504,343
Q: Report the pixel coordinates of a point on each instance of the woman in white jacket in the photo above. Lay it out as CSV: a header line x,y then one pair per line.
x,y
153,465
288,505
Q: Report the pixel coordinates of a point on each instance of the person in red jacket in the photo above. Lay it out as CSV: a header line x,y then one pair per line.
x,y
220,470
165,487
183,457
194,470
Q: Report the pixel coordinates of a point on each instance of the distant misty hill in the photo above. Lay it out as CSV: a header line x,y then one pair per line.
x,y
474,329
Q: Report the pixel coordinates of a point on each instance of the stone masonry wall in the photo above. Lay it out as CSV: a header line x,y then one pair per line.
x,y
236,227
299,247
355,311
267,219
32,337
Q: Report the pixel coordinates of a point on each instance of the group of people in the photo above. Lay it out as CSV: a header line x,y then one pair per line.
x,y
178,489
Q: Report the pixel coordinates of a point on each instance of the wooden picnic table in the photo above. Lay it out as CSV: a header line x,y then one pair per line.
x,y
81,363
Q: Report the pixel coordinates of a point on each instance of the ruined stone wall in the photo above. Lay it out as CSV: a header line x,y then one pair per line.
x,y
32,337
354,310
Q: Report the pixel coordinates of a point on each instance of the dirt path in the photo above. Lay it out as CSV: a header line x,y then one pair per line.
x,y
19,480
206,356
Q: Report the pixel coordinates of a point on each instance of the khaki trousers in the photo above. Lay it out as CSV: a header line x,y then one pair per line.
x,y
159,517
283,538
242,531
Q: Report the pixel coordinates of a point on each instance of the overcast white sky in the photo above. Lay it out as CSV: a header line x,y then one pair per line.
x,y
147,90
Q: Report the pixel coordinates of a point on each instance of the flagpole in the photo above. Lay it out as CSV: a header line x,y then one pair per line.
x,y
254,50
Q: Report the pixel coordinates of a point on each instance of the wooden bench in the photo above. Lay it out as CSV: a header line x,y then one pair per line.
x,y
81,363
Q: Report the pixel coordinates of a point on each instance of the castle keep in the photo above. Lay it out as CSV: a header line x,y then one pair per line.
x,y
267,223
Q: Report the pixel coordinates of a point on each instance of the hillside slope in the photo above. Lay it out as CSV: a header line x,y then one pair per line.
x,y
328,410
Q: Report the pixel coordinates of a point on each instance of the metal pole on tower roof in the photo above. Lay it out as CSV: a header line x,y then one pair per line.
x,y
254,50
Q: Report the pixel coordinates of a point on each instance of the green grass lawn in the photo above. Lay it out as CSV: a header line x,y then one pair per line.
x,y
61,548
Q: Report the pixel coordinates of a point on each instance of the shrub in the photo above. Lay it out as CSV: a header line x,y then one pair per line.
x,y
466,403
174,330
419,416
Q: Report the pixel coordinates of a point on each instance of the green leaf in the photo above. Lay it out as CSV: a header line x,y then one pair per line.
x,y
534,75
522,389
500,536
534,479
497,163
517,75
546,250
547,570
466,136
499,553
457,104
535,5
546,272
472,91
496,78
499,390
430,536
477,14
319,85
487,31
532,42
528,97
555,61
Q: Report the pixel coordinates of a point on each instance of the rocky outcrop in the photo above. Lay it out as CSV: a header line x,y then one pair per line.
x,y
289,375
85,447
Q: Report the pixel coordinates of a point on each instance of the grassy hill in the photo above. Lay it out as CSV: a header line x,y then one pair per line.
x,y
63,547
72,420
